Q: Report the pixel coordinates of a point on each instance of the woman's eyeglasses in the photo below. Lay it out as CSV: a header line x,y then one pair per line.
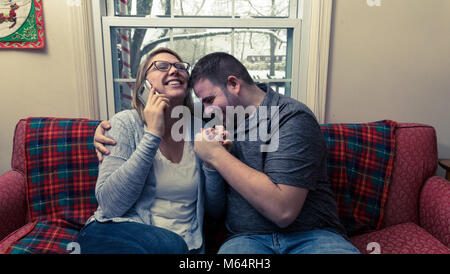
x,y
166,66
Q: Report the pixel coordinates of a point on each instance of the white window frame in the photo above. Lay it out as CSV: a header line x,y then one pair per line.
x,y
310,36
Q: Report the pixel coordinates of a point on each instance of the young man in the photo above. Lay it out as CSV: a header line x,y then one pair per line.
x,y
277,199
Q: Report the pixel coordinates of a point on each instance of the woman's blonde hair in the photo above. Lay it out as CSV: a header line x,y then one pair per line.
x,y
141,76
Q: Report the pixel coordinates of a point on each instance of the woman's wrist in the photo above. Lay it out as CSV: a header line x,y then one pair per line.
x,y
153,132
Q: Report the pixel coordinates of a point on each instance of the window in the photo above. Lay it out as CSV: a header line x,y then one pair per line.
x,y
264,35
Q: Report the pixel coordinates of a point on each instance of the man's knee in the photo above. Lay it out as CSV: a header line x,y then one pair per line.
x,y
327,242
244,245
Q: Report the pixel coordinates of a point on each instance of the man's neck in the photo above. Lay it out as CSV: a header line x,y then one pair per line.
x,y
253,96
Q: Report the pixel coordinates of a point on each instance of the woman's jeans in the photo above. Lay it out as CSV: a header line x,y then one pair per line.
x,y
308,242
129,238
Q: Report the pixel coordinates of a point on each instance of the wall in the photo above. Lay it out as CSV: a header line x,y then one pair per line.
x,y
40,82
391,62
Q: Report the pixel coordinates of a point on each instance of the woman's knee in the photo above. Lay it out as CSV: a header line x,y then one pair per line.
x,y
163,241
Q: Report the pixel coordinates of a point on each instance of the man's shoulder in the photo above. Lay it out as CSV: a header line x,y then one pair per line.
x,y
289,107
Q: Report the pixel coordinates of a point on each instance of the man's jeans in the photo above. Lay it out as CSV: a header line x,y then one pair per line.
x,y
129,238
308,242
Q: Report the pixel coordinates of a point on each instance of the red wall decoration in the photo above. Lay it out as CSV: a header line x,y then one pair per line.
x,y
21,24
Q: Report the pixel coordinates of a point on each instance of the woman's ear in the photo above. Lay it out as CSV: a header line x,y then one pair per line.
x,y
233,85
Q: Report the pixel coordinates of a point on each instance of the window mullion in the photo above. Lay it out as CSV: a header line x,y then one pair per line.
x,y
232,41
293,9
233,11
298,9
109,74
110,7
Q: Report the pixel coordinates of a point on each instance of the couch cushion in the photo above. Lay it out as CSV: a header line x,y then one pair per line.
x,y
406,238
360,159
62,169
45,239
435,208
13,207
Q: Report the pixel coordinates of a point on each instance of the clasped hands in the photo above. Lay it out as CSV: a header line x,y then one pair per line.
x,y
210,142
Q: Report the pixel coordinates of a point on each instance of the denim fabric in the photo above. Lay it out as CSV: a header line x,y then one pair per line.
x,y
129,238
307,242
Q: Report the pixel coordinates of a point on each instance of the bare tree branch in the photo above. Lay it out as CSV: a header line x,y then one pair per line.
x,y
253,7
201,7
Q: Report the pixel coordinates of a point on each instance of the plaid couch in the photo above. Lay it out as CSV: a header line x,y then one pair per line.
x,y
382,174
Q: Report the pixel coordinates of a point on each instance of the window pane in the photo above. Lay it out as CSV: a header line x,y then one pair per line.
x,y
263,52
202,8
192,44
242,8
142,7
129,47
262,8
123,94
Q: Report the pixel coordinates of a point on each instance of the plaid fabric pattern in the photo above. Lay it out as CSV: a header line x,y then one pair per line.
x,y
360,161
62,170
45,239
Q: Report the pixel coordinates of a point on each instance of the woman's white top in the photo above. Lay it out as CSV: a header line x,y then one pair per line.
x,y
176,194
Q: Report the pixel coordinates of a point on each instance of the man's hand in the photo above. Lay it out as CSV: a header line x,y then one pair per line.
x,y
209,142
100,140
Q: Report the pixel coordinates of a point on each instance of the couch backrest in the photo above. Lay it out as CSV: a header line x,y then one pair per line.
x,y
415,161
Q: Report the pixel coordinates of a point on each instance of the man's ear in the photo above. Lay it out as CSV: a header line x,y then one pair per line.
x,y
233,85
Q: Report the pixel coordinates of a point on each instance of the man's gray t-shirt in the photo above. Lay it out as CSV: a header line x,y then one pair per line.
x,y
295,155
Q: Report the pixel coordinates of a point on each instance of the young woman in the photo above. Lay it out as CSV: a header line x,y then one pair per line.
x,y
150,188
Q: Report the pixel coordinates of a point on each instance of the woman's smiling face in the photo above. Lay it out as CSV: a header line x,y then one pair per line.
x,y
173,82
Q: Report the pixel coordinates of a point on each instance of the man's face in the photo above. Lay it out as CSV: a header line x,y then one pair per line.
x,y
213,96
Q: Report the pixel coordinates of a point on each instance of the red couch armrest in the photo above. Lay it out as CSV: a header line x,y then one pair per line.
x,y
13,205
435,208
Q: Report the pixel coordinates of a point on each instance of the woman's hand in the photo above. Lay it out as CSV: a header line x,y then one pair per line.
x,y
154,112
100,140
